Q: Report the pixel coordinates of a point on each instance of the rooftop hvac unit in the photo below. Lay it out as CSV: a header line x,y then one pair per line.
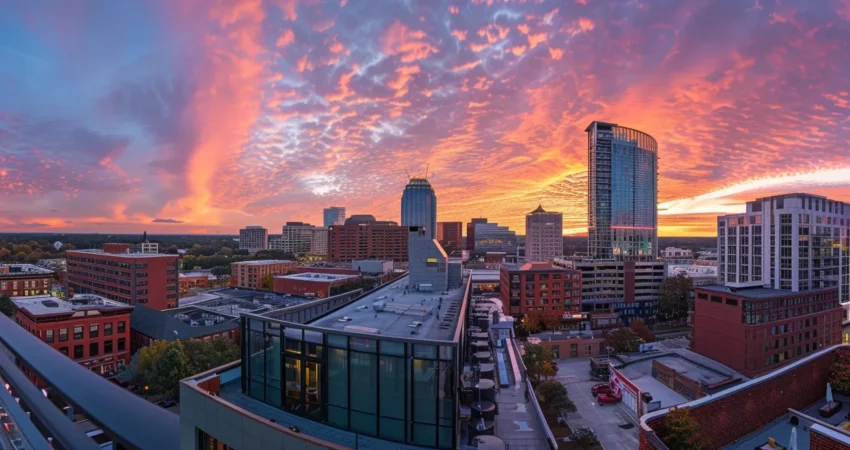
x,y
193,324
344,319
379,305
208,323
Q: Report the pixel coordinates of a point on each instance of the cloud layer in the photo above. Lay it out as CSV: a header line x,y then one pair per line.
x,y
199,116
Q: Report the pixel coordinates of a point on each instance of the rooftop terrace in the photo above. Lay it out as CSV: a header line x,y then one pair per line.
x,y
22,270
313,276
44,305
393,310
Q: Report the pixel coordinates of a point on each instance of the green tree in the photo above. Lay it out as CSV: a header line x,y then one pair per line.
x,y
220,270
548,370
534,358
7,307
553,396
680,430
22,248
168,370
150,354
642,331
188,262
5,254
532,322
226,251
622,340
674,295
584,437
839,375
267,282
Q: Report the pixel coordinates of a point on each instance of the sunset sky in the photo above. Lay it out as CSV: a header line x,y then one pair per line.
x,y
202,116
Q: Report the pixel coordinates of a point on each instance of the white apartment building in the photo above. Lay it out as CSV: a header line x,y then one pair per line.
x,y
254,238
319,243
296,237
544,235
795,242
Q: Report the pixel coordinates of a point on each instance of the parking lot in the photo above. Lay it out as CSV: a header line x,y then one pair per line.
x,y
616,428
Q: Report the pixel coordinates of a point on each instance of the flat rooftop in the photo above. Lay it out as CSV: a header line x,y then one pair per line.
x,y
97,251
22,270
234,301
197,273
410,314
313,276
45,305
180,323
263,262
754,292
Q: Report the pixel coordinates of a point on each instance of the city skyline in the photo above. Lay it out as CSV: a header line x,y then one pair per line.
x,y
181,117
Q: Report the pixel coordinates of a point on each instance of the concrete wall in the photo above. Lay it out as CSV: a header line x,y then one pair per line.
x,y
428,261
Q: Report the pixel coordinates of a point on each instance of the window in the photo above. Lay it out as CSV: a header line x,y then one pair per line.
x,y
78,351
107,347
732,301
107,329
94,330
78,333
63,350
716,299
93,349
206,441
121,326
63,334
122,344
48,336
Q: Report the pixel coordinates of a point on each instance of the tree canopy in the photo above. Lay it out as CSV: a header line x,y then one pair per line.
x,y
680,430
7,307
839,375
622,340
674,293
642,331
163,364
553,395
535,358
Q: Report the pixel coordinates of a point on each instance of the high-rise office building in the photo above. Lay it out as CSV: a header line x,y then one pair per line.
x,y
319,244
334,215
450,235
622,188
544,235
363,237
492,237
296,237
470,232
794,242
254,238
419,206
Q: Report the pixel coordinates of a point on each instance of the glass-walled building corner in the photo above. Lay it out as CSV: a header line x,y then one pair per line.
x,y
394,388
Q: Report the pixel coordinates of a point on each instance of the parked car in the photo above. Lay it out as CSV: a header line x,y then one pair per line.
x,y
608,398
167,403
601,388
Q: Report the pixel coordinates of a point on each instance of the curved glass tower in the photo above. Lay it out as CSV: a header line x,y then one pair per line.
x,y
622,189
419,206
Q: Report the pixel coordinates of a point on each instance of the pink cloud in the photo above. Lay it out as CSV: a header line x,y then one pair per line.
x,y
286,37
410,45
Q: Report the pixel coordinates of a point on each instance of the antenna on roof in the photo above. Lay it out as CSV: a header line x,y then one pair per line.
x,y
426,170
408,173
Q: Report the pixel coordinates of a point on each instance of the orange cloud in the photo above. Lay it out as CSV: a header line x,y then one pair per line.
x,y
285,38
534,39
555,53
304,64
518,50
459,35
289,9
454,10
411,45
405,74
582,25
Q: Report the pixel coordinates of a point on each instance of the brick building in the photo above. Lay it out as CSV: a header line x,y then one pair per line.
x,y
90,329
249,274
23,280
539,287
756,329
188,322
130,278
313,284
363,237
580,345
470,232
748,415
450,235
194,280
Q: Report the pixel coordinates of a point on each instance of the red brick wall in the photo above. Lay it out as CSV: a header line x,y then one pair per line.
x,y
331,270
21,286
734,416
321,289
818,441
559,300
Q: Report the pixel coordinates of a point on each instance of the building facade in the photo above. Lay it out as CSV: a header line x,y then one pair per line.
x,y
194,280
363,237
23,280
334,215
319,241
89,329
296,237
540,287
470,232
314,284
254,239
622,202
756,329
491,237
250,274
629,289
676,255
544,235
428,266
450,235
419,206
130,278
794,242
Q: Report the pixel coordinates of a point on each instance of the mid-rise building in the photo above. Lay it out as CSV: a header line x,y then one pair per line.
x,y
429,268
419,206
363,237
757,329
254,239
630,289
470,232
146,247
23,280
491,237
622,193
296,238
334,215
544,235
92,330
315,284
250,274
130,278
540,287
319,241
195,280
795,242
675,255
450,235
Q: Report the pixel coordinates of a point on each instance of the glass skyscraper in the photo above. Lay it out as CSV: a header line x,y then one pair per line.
x,y
622,188
419,206
335,215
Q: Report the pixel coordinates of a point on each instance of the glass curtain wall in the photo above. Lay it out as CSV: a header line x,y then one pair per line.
x,y
398,391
